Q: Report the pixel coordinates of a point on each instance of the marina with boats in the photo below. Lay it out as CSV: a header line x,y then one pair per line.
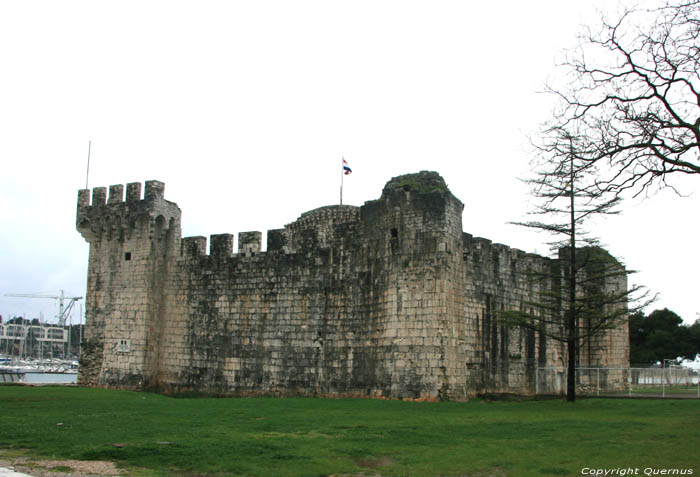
x,y
30,371
34,351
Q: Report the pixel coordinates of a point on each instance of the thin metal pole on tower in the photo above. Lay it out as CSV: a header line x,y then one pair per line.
x,y
342,173
87,174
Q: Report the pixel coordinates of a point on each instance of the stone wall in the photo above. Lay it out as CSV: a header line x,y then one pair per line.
x,y
389,300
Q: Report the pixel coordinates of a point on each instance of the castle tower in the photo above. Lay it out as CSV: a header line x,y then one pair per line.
x,y
132,244
414,235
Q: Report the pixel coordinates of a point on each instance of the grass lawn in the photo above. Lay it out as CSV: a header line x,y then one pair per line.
x,y
675,389
149,434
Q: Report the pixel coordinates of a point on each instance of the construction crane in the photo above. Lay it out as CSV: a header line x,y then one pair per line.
x,y
63,309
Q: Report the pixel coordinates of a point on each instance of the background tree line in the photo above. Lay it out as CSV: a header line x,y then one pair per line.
x,y
662,335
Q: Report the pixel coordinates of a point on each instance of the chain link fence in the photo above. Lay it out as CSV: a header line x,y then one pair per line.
x,y
656,382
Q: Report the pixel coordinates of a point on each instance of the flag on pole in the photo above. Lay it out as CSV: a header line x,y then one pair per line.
x,y
344,172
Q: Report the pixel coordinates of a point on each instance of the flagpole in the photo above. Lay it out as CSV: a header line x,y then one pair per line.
x,y
342,173
87,174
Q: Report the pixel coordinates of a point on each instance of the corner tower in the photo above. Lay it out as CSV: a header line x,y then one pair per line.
x,y
133,244
414,256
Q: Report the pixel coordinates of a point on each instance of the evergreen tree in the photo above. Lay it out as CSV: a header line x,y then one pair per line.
x,y
588,293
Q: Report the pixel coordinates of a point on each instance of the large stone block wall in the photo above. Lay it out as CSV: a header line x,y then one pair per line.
x,y
497,280
389,300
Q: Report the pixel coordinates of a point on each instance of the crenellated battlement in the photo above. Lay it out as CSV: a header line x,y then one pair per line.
x,y
102,216
222,245
193,246
312,228
155,190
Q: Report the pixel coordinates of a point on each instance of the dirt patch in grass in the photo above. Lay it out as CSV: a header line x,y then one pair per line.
x,y
62,468
487,473
373,463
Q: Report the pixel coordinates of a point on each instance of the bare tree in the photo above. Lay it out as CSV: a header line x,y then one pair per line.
x,y
632,98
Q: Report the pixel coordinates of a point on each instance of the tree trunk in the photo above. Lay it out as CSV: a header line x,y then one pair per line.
x,y
571,371
572,318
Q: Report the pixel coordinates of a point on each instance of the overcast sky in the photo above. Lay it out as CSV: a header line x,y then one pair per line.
x,y
244,109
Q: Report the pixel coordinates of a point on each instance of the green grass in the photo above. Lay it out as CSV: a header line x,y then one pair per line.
x,y
155,435
648,390
671,389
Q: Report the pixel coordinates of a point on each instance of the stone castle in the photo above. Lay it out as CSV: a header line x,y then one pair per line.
x,y
389,300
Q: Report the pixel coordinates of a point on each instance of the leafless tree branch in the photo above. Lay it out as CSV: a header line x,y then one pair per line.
x,y
633,101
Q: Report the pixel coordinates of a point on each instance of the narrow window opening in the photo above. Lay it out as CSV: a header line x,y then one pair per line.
x,y
394,242
127,256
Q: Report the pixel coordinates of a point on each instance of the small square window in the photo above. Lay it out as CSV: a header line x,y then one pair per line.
x,y
127,256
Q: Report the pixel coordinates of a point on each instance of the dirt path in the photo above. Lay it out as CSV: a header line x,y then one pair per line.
x,y
61,468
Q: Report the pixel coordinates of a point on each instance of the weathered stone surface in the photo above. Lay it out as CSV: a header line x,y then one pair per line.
x,y
387,300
